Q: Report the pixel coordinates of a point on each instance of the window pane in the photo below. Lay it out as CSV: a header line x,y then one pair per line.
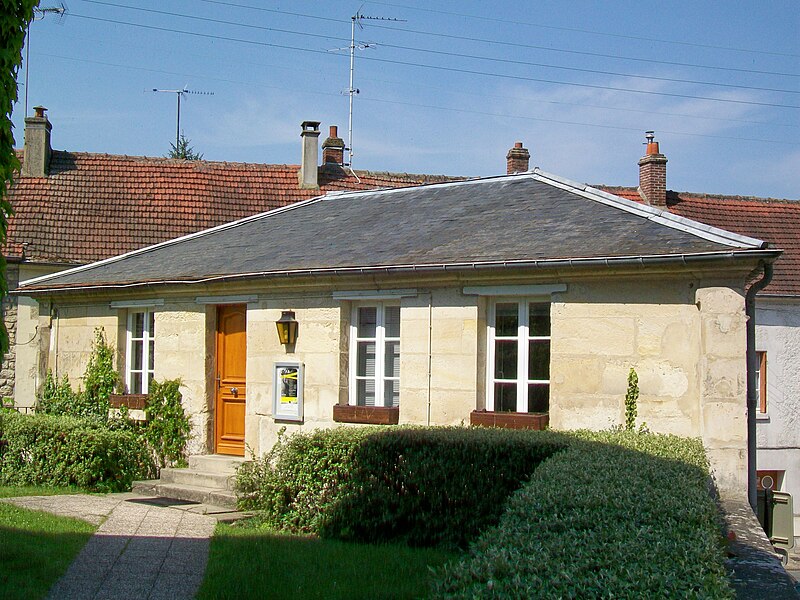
x,y
391,393
539,359
138,324
392,359
506,319
505,359
367,319
539,319
392,323
152,319
136,358
136,383
366,359
150,378
365,392
538,397
152,360
505,397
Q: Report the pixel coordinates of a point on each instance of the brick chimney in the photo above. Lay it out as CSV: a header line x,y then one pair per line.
x,y
308,165
653,174
36,160
518,159
333,148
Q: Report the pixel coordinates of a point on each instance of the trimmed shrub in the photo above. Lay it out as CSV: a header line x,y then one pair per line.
x,y
422,486
616,515
67,451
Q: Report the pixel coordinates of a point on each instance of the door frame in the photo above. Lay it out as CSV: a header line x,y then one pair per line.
x,y
217,446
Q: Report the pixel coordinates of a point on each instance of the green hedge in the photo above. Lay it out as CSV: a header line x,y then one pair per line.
x,y
422,486
67,451
616,515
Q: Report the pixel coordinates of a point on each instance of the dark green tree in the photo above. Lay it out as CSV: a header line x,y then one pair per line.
x,y
14,19
183,150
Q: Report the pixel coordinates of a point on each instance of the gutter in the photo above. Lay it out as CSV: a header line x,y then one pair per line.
x,y
752,372
551,263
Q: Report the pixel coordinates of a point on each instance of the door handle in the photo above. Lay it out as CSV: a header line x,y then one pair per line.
x,y
235,391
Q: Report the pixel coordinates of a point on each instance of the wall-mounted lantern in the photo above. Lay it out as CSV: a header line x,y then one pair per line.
x,y
287,327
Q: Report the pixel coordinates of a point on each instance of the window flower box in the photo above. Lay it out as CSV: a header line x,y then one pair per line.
x,y
509,420
372,415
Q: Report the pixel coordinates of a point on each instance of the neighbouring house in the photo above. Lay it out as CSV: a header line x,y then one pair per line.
x,y
519,300
74,208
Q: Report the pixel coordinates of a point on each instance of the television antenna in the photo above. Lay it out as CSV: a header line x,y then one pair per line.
x,y
179,93
39,13
356,19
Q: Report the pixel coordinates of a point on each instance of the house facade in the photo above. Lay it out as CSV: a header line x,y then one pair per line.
x,y
519,300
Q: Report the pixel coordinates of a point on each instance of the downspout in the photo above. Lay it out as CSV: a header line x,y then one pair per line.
x,y
752,373
430,353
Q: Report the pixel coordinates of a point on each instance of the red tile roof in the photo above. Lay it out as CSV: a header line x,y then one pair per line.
x,y
768,219
93,206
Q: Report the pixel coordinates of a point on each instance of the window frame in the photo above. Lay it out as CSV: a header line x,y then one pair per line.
x,y
148,336
761,356
380,378
523,339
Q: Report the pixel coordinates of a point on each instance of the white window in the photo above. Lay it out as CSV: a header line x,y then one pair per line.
x,y
518,366
139,363
375,355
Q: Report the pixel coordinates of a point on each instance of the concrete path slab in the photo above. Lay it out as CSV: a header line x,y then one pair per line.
x,y
143,548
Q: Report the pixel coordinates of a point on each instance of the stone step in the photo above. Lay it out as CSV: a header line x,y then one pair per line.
x,y
198,478
191,493
215,463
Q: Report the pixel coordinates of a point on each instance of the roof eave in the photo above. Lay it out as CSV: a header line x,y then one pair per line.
x,y
766,255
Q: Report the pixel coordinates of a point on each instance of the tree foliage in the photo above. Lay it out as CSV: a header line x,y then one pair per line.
x,y
14,19
183,150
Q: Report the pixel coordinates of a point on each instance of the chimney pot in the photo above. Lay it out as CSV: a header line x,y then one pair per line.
x,y
653,174
518,159
308,176
36,157
333,149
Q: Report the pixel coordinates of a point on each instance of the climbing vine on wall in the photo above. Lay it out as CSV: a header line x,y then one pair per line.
x,y
14,19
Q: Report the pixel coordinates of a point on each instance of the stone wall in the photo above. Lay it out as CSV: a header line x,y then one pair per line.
x,y
9,307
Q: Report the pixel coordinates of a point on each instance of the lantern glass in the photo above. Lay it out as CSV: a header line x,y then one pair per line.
x,y
287,327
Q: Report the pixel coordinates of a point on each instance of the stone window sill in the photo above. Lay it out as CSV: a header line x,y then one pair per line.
x,y
762,417
509,420
371,415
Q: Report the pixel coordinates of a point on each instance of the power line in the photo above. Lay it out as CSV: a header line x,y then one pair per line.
x,y
452,54
507,43
433,87
587,31
418,105
442,68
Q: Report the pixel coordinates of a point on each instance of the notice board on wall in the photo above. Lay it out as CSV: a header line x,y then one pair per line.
x,y
287,396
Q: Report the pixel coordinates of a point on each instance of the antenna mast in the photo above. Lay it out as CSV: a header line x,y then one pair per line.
x,y
352,91
38,14
179,94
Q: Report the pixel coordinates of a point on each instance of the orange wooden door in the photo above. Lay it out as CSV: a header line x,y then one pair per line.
x,y
231,382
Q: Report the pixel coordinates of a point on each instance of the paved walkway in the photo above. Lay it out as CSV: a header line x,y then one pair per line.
x,y
144,547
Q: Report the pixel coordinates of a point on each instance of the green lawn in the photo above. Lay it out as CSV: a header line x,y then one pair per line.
x,y
35,547
254,563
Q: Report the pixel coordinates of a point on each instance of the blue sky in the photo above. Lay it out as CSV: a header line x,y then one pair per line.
x,y
446,89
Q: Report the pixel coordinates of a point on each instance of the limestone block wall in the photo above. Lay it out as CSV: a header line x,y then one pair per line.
x,y
444,323
72,335
687,342
184,349
319,348
600,331
723,394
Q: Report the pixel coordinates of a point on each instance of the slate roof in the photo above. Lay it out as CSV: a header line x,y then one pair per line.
x,y
772,220
94,206
532,219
